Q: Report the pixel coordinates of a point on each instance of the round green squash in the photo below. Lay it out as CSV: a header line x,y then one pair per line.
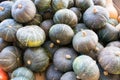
x,y
86,68
109,59
114,43
36,59
23,72
108,33
59,4
20,78
114,22
8,29
65,16
31,36
23,10
85,41
63,59
84,4
5,10
52,73
10,58
95,17
69,76
61,34
100,2
42,5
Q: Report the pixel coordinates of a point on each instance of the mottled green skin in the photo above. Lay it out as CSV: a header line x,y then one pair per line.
x,y
23,72
20,78
36,59
6,12
95,20
86,68
65,16
25,13
109,59
85,41
10,58
8,29
100,2
3,44
108,33
61,32
31,36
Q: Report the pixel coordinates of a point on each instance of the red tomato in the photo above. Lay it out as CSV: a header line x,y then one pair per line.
x,y
3,75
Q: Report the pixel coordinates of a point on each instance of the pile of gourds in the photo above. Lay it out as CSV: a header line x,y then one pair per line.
x,y
64,39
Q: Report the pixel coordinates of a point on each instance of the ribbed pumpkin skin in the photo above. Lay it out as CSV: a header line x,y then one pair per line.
x,y
100,2
23,72
114,43
8,29
108,33
42,5
61,34
20,78
95,17
114,22
5,10
52,73
63,59
85,41
65,16
68,76
10,58
109,59
23,10
36,59
31,36
60,4
86,68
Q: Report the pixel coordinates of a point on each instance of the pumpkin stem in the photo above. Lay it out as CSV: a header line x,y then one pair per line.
x,y
94,10
96,49
77,77
9,26
51,45
1,8
18,59
84,33
118,54
58,41
55,68
105,73
19,6
29,62
68,56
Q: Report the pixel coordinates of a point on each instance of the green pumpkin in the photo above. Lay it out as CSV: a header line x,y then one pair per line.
x,y
69,76
95,17
85,41
61,34
5,10
109,59
8,29
10,58
63,59
31,36
114,43
52,73
65,16
20,78
23,72
36,59
23,10
100,2
86,68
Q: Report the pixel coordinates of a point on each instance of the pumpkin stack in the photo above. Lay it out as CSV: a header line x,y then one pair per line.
x,y
59,40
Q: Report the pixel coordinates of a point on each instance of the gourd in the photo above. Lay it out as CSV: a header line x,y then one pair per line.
x,y
3,75
10,58
8,29
65,16
95,17
61,34
114,43
86,68
5,10
20,78
31,36
36,59
63,59
100,2
52,73
109,59
69,76
21,13
85,41
23,72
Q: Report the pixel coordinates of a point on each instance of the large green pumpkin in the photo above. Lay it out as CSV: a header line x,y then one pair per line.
x,y
5,10
61,34
36,59
10,58
23,10
8,29
65,16
31,36
86,68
